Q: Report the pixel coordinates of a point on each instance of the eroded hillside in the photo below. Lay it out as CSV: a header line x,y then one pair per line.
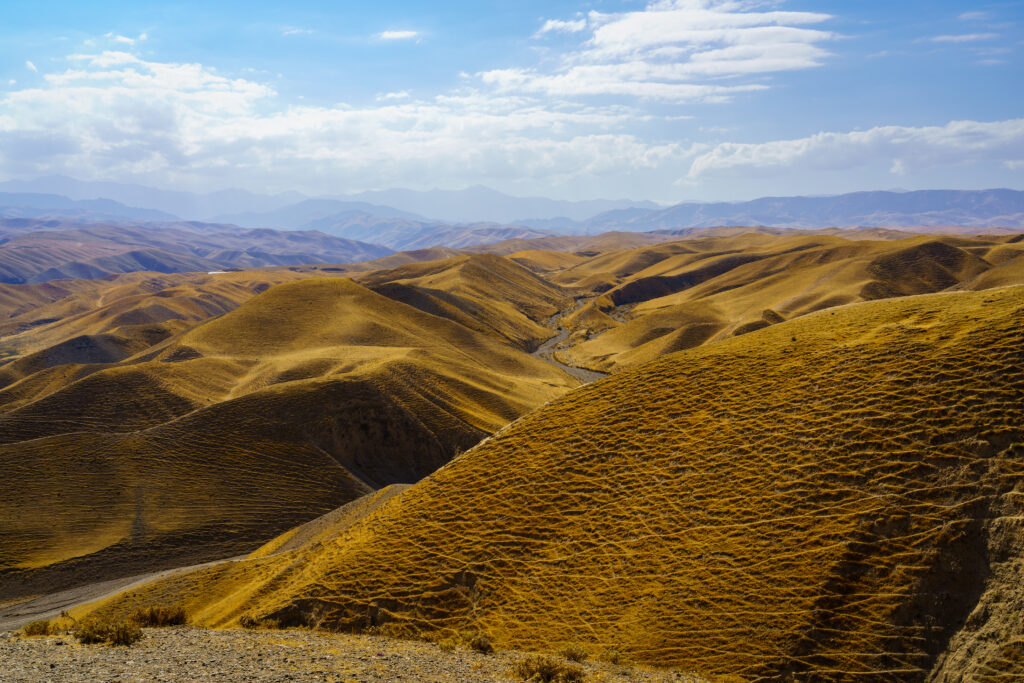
x,y
837,496
231,416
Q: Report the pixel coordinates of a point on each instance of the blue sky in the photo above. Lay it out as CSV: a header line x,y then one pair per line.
x,y
669,100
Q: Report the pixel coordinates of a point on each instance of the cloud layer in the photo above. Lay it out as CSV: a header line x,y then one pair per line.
x,y
603,108
682,51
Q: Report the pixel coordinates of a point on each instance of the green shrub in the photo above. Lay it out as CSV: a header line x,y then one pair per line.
x,y
547,670
39,628
160,616
574,653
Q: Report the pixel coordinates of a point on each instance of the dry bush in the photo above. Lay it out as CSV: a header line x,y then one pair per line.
x,y
91,632
612,656
481,643
160,616
448,645
39,628
541,669
574,653
251,622
124,633
114,632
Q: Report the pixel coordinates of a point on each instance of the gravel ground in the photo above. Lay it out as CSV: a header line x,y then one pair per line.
x,y
189,654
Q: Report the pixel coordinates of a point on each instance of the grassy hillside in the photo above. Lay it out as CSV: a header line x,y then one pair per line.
x,y
217,437
837,496
647,302
487,293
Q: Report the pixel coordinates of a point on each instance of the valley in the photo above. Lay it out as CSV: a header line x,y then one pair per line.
x,y
787,438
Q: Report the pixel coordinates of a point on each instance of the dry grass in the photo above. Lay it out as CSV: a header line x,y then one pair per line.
x,y
574,653
745,508
542,669
42,627
293,404
93,631
481,643
159,616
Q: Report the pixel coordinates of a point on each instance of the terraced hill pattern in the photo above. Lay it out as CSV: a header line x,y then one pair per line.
x,y
808,461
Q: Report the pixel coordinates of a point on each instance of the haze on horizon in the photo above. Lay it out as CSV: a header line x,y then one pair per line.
x,y
671,100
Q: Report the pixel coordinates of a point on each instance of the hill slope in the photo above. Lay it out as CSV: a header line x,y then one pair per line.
x,y
837,497
301,399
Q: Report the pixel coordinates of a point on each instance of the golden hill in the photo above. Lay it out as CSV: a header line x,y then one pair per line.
x,y
647,302
834,497
487,293
219,436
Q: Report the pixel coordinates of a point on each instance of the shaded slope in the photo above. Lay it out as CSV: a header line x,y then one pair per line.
x,y
651,301
301,399
484,292
825,498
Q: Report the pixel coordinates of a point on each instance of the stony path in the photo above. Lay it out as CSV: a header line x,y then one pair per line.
x,y
191,654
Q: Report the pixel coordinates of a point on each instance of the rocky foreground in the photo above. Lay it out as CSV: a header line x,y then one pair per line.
x,y
186,653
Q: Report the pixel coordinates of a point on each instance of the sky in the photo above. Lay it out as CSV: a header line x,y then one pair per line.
x,y
669,100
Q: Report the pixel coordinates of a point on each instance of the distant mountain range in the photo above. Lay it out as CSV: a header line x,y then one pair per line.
x,y
252,210
972,208
36,250
34,205
406,219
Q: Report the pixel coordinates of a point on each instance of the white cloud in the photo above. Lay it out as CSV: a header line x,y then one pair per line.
x,y
906,149
120,39
397,35
965,38
559,26
292,31
401,95
973,16
680,51
30,66
115,115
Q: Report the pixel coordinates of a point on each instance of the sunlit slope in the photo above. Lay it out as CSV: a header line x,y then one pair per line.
x,y
829,497
304,397
676,296
487,293
34,317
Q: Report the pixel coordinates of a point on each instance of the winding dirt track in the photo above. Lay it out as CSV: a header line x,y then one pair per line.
x,y
14,616
546,351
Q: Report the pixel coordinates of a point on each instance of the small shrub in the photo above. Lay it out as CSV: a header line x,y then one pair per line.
x,y
39,628
447,645
547,670
160,616
481,643
116,633
612,656
249,621
91,632
124,633
574,653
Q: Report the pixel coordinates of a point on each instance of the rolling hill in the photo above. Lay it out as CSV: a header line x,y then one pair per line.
x,y
836,496
141,446
640,304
